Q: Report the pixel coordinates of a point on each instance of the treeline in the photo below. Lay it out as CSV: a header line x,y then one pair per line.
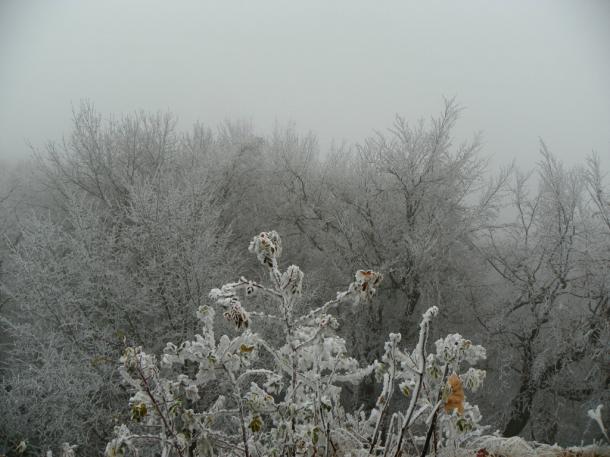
x,y
116,234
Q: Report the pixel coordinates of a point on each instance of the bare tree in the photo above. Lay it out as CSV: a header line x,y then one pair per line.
x,y
129,256
103,158
555,316
407,203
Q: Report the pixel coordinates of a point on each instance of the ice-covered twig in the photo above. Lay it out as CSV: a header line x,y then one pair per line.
x,y
596,415
420,353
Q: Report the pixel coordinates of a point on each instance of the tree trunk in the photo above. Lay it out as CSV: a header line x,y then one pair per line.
x,y
520,409
521,404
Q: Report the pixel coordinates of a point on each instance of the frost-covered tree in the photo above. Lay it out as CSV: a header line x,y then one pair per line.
x,y
77,285
409,202
103,158
550,309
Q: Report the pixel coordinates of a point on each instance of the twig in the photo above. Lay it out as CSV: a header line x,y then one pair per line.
x,y
434,413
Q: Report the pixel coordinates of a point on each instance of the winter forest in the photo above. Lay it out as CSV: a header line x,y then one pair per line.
x,y
304,229
221,292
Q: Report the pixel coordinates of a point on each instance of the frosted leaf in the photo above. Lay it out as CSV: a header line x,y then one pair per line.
x,y
473,379
267,246
237,315
327,321
137,362
170,356
474,353
218,404
189,420
395,338
258,400
356,374
139,397
454,348
191,392
215,294
391,348
292,281
406,387
120,444
273,385
223,345
206,315
365,285
225,296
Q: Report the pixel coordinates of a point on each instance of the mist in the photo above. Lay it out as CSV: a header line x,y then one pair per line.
x,y
341,70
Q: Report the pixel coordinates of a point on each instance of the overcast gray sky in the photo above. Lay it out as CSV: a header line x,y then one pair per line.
x,y
522,69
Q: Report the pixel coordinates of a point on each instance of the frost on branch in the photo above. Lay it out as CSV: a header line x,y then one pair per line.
x,y
246,395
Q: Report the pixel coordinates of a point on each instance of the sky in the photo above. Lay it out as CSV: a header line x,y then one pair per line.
x,y
522,70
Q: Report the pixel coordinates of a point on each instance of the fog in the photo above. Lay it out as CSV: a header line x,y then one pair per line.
x,y
521,70
241,287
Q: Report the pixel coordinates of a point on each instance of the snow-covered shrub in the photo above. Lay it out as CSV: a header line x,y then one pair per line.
x,y
221,396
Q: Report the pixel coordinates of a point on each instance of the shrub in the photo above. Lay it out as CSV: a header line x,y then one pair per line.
x,y
244,395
